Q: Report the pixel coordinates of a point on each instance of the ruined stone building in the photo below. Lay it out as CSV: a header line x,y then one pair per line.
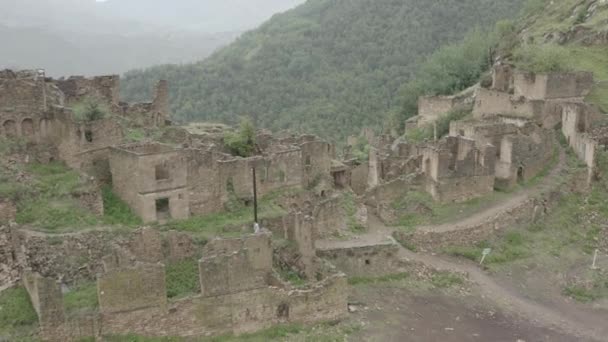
x,y
239,292
40,110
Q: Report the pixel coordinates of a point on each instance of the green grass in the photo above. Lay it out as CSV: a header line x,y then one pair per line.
x,y
182,278
222,224
82,297
433,212
513,246
17,316
375,280
116,211
350,209
327,332
293,278
446,279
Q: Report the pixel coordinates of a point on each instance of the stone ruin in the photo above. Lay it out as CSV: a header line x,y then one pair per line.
x,y
132,297
40,110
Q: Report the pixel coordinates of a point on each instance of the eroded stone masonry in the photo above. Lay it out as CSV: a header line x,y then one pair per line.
x,y
188,172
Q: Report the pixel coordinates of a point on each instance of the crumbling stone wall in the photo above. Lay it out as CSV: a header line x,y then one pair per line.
x,y
24,100
431,108
329,218
203,182
105,89
132,288
46,298
316,161
149,114
358,178
365,260
491,103
523,156
235,265
502,78
9,267
557,85
458,170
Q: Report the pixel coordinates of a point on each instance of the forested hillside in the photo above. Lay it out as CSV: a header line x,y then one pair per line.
x,y
327,67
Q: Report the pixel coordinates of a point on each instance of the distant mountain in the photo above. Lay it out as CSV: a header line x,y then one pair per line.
x,y
327,67
85,37
62,54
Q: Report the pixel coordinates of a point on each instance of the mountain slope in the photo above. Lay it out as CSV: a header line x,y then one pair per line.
x,y
328,66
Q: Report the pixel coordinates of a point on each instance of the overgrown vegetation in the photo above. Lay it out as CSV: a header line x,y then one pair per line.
x,y
427,133
116,211
242,142
230,222
446,279
17,316
182,278
82,298
326,67
350,209
375,280
89,110
542,58
328,332
418,208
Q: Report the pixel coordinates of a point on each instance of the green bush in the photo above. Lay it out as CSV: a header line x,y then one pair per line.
x,y
242,142
542,58
90,110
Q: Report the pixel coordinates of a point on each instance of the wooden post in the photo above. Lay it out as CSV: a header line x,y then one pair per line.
x,y
255,197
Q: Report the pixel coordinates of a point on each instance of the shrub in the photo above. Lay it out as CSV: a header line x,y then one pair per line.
x,y
242,142
542,58
90,110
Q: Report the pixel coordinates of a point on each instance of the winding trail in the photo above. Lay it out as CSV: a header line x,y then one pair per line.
x,y
570,320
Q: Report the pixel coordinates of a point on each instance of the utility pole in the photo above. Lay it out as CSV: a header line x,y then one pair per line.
x,y
255,197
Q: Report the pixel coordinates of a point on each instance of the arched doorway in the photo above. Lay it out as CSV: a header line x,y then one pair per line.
x,y
10,128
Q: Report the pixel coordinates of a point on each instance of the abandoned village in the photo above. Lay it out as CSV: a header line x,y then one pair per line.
x,y
321,200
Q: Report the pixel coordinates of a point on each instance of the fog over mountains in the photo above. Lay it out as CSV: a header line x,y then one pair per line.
x,y
86,37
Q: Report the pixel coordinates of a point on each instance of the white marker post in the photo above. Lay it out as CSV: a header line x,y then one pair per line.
x,y
594,266
484,254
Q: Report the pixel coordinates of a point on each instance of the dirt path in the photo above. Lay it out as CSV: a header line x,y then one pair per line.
x,y
512,202
569,320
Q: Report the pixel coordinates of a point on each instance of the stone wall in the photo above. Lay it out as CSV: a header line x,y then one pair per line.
x,y
203,182
358,178
457,169
235,265
46,298
491,103
431,108
128,289
553,85
132,299
9,268
365,260
105,89
316,161
329,218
